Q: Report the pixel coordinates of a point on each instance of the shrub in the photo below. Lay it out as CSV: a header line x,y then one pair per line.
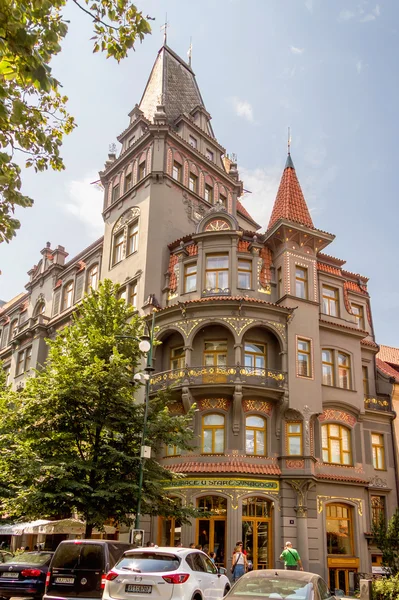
x,y
386,588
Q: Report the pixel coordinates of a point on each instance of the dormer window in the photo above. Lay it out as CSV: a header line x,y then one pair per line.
x,y
131,141
192,141
209,154
209,193
193,183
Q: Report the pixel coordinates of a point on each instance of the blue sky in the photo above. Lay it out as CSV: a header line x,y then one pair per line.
x,y
326,69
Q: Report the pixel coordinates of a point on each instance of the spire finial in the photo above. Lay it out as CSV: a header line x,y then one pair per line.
x,y
165,29
289,140
190,51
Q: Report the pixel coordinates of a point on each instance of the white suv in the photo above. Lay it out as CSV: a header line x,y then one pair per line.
x,y
165,574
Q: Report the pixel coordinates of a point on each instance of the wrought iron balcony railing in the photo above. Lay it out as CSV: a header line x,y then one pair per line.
x,y
377,403
268,378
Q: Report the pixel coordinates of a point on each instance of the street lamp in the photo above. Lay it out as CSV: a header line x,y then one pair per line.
x,y
146,345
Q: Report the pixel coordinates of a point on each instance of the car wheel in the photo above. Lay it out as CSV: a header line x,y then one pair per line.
x,y
226,589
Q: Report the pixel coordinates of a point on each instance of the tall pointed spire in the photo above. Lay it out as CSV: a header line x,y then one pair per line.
x,y
290,203
173,80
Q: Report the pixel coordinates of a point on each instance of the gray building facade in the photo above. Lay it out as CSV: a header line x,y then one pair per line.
x,y
271,337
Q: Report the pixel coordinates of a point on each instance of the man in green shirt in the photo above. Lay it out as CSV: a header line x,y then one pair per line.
x,y
291,558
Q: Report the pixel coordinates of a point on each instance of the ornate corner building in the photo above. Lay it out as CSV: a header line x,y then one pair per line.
x,y
271,337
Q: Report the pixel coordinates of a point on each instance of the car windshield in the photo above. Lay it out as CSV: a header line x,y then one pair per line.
x,y
27,558
276,588
148,562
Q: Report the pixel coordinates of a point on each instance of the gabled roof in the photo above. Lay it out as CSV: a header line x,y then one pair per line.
x,y
389,354
387,369
290,203
171,83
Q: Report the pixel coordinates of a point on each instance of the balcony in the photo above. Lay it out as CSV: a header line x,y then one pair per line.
x,y
194,376
378,403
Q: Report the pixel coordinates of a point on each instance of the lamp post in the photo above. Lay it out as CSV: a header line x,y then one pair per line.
x,y
146,346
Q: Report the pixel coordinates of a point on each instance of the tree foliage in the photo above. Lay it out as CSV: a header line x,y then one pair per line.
x,y
70,441
33,113
386,538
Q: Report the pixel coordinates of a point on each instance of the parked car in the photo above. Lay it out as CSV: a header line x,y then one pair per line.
x,y
278,585
78,568
166,574
24,574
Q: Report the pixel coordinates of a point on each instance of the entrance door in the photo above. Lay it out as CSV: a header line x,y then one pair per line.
x,y
343,579
211,532
257,532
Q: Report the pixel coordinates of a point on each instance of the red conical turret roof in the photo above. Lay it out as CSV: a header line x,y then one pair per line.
x,y
290,203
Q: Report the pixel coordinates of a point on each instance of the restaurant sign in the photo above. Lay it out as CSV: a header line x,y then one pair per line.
x,y
216,482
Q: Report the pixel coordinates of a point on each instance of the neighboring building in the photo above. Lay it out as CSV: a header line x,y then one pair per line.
x,y
268,335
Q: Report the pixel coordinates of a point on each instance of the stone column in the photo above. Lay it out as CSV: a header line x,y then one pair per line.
x,y
302,535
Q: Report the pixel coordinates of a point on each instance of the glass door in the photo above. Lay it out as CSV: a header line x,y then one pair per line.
x,y
257,532
215,361
211,532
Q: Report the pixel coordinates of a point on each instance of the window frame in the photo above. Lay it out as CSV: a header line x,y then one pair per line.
x,y
329,301
350,520
255,429
68,294
178,358
24,360
94,268
175,451
118,234
290,435
377,511
302,281
366,383
218,270
329,364
340,440
213,429
245,271
374,451
132,243
346,369
131,297
178,170
142,170
192,141
308,353
116,192
252,354
359,316
209,154
208,193
128,181
223,200
13,330
279,282
193,182
188,276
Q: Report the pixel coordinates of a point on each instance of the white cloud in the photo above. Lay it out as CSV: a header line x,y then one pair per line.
x,y
263,183
243,109
309,5
296,50
360,14
346,15
359,66
85,203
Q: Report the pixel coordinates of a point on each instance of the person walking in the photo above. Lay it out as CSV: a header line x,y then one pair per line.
x,y
239,563
291,558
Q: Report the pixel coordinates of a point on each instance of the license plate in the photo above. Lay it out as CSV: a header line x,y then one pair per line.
x,y
138,589
64,580
10,575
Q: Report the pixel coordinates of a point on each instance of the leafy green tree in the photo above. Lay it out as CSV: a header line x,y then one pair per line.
x,y
70,441
33,113
386,538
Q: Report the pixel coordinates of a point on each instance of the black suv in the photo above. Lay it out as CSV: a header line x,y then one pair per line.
x,y
78,568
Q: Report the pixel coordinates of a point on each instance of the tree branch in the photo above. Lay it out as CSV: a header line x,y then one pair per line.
x,y
97,19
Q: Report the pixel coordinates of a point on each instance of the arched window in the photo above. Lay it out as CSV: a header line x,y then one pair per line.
x,y
213,434
255,435
125,235
13,330
339,528
336,444
92,278
67,298
40,308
